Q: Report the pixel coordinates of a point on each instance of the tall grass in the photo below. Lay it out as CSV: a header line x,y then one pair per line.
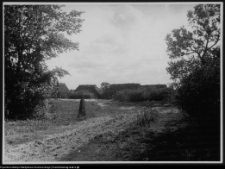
x,y
146,117
59,113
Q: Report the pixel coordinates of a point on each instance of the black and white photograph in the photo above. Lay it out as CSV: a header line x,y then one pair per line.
x,y
112,82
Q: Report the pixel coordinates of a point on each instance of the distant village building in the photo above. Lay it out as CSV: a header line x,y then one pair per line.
x,y
63,91
92,91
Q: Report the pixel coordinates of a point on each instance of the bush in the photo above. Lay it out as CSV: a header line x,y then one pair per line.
x,y
131,95
146,117
46,110
142,94
154,86
63,91
82,94
159,94
114,88
199,94
90,88
22,103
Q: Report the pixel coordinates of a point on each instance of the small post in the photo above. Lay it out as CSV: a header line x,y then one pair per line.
x,y
82,111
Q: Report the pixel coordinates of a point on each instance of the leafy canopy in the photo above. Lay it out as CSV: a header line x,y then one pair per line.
x,y
191,49
34,34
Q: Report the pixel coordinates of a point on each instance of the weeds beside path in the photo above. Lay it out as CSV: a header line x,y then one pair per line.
x,y
127,145
172,138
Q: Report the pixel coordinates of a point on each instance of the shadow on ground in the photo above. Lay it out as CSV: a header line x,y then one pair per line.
x,y
178,141
193,143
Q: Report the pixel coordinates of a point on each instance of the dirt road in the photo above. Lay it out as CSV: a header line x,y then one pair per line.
x,y
55,147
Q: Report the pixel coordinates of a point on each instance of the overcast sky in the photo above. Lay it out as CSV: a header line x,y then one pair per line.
x,y
121,43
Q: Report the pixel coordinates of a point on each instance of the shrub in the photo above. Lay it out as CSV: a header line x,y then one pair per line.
x,y
121,95
142,94
199,94
63,91
90,88
46,110
114,88
146,117
154,86
82,94
159,94
131,95
21,104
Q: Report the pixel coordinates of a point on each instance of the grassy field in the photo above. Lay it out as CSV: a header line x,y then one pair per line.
x,y
157,134
61,113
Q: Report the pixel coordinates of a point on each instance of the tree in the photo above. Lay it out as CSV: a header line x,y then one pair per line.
x,y
63,91
195,68
104,86
33,34
190,49
199,92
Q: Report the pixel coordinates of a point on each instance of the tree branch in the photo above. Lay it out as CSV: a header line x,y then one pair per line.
x,y
206,46
218,38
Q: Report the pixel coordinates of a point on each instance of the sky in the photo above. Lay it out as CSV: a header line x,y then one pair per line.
x,y
121,43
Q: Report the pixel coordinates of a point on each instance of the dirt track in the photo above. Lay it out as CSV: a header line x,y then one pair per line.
x,y
56,146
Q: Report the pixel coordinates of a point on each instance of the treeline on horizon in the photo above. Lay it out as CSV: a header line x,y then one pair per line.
x,y
121,92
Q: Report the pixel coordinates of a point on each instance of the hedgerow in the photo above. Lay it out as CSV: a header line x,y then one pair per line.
x,y
142,94
82,94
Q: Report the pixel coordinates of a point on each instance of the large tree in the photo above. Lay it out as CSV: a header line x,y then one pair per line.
x,y
193,48
195,65
32,35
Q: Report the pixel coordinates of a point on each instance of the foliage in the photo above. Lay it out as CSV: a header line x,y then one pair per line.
x,y
190,49
53,87
113,88
90,88
158,94
63,91
82,94
146,117
154,86
129,95
199,93
104,86
33,34
195,68
142,94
